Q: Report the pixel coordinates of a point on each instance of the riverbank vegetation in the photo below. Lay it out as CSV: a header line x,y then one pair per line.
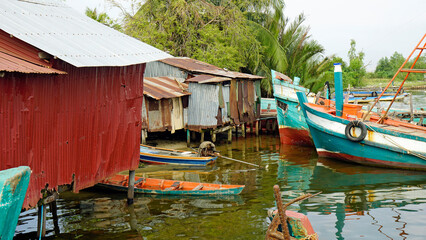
x,y
248,36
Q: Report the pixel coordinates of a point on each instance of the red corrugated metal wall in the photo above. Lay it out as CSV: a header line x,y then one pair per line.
x,y
86,123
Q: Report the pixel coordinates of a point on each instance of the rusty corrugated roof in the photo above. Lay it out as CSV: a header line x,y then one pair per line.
x,y
12,64
208,79
164,87
196,66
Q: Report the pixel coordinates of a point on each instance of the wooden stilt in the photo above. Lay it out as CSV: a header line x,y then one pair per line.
x,y
230,135
193,136
188,138
213,134
257,128
131,187
202,136
274,125
41,221
411,108
236,132
143,137
54,211
243,130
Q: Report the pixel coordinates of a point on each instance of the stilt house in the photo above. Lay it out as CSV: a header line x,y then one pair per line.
x,y
219,98
71,96
165,106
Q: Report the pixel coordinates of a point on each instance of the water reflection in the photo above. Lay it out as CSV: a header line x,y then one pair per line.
x,y
356,201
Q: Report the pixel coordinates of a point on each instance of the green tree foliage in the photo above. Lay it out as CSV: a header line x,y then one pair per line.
x,y
387,67
241,35
102,18
356,71
288,47
210,31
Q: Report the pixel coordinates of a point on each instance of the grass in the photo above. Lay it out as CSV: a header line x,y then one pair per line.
x,y
382,82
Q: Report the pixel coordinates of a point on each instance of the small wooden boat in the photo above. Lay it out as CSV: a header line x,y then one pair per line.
x,y
169,187
13,187
155,155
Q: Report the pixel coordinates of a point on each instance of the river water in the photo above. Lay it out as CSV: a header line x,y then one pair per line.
x,y
356,202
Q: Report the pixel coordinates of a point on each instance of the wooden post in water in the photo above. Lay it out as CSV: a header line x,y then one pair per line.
x,y
131,187
230,135
213,135
53,210
257,128
411,108
202,136
243,130
143,136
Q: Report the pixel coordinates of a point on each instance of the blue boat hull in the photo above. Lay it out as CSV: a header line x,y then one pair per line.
x,y
181,161
381,147
14,184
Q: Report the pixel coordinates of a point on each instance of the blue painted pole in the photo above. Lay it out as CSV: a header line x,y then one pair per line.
x,y
296,81
338,88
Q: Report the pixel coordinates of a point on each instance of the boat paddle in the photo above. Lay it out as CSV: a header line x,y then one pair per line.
x,y
236,160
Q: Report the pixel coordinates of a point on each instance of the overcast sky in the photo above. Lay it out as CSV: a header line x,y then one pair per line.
x,y
379,27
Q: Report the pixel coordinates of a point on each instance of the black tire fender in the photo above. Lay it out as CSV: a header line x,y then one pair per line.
x,y
374,94
358,124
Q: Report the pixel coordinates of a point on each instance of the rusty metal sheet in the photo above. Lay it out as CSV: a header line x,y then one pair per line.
x,y
164,87
82,126
12,64
233,102
203,78
196,66
166,113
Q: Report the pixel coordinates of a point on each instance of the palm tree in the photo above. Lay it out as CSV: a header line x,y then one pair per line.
x,y
288,47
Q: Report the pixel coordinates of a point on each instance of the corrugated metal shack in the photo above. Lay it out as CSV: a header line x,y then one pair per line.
x,y
165,105
219,98
78,127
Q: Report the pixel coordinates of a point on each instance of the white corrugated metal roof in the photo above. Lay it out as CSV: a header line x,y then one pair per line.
x,y
75,38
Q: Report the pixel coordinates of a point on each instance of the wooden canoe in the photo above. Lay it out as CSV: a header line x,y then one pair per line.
x,y
153,155
169,187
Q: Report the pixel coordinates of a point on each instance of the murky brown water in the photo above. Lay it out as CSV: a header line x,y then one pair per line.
x,y
356,202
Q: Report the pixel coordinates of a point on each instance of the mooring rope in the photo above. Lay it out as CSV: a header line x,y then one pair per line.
x,y
396,144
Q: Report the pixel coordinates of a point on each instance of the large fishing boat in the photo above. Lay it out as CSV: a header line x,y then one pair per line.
x,y
363,137
291,121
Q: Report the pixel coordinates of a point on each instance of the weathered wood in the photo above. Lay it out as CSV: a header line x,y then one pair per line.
x,y
213,137
230,135
199,187
143,136
50,198
281,212
202,136
411,108
54,211
131,187
257,128
243,130
222,129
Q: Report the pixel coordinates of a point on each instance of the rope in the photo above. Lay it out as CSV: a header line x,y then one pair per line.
x,y
396,144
